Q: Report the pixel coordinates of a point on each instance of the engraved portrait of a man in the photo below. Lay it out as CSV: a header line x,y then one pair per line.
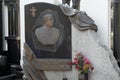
x,y
48,32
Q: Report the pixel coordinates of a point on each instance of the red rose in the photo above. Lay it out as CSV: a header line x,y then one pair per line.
x,y
87,62
92,68
77,67
75,61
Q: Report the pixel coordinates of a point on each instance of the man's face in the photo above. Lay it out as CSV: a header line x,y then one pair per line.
x,y
49,21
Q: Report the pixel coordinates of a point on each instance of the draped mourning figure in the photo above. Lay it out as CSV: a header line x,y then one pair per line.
x,y
90,45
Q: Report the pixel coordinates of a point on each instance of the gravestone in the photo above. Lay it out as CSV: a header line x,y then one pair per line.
x,y
55,75
48,36
47,42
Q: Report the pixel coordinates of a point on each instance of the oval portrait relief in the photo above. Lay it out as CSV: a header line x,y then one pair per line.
x,y
48,32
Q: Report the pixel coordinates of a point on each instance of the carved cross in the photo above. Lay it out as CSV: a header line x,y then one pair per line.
x,y
33,10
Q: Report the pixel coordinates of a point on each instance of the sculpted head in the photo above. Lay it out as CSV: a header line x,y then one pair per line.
x,y
48,20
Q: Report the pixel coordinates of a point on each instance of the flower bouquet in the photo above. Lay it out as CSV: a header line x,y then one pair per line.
x,y
82,64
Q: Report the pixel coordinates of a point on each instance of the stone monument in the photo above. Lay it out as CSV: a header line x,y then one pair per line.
x,y
48,42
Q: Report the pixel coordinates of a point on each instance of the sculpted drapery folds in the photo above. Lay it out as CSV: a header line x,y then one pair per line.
x,y
75,3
